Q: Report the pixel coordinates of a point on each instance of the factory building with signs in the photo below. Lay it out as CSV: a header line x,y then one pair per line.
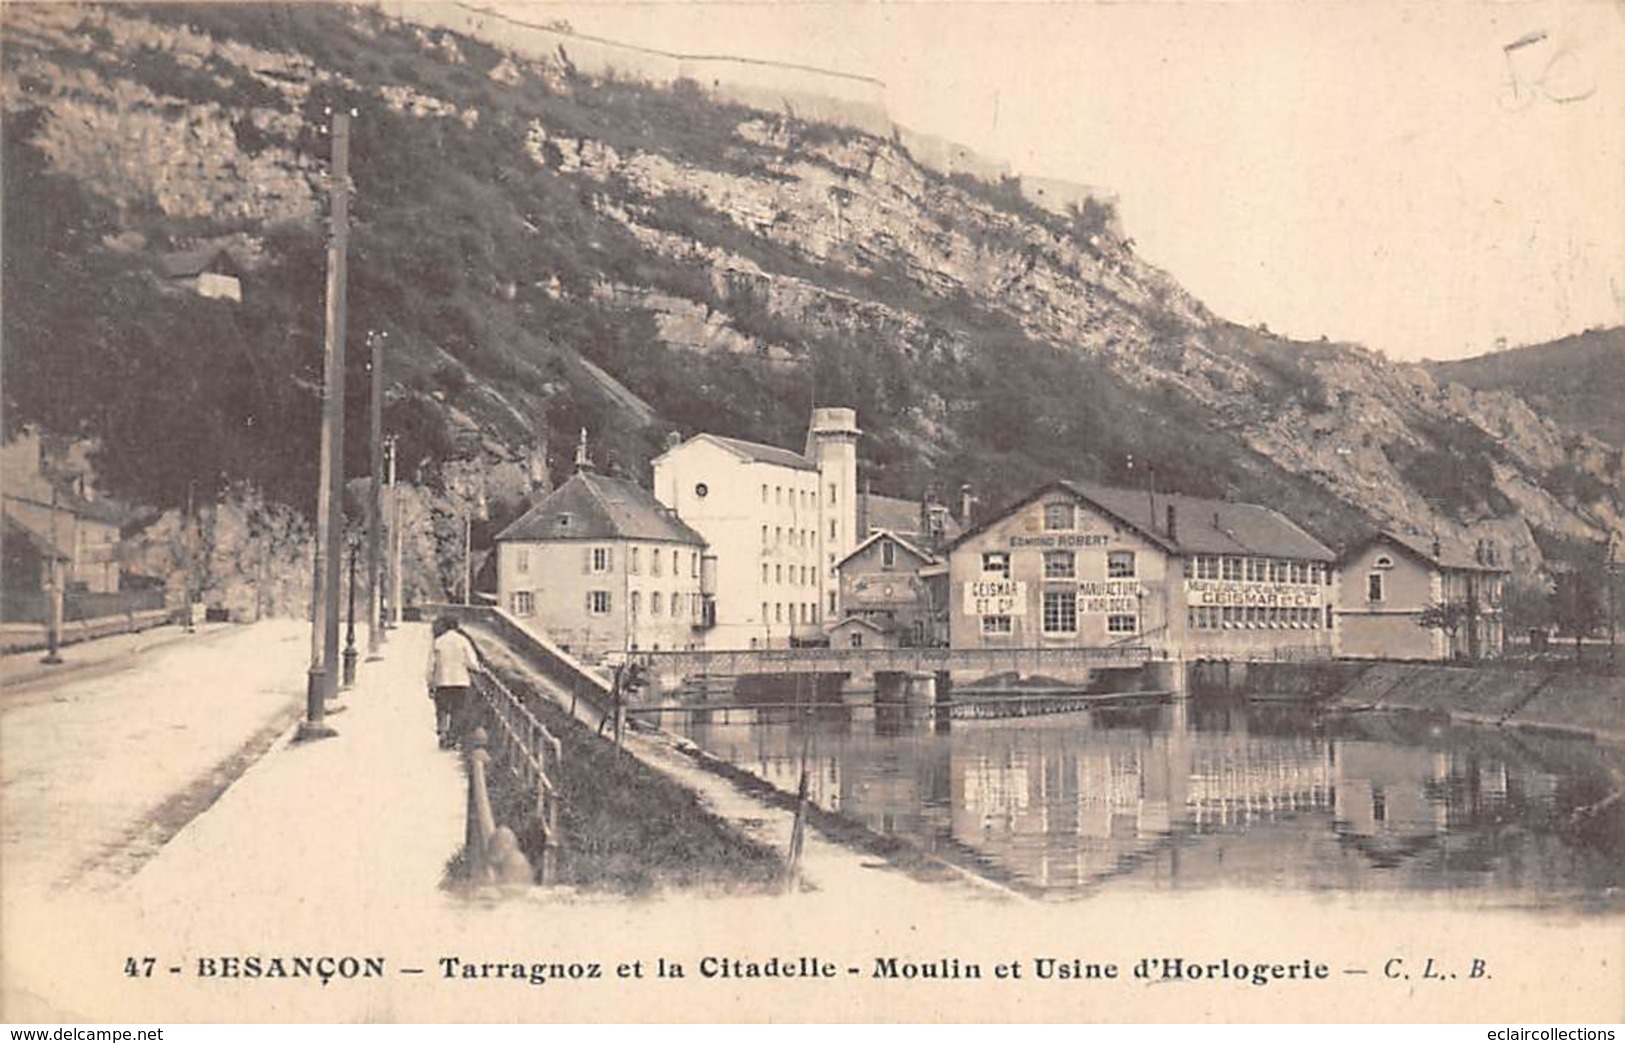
x,y
1077,564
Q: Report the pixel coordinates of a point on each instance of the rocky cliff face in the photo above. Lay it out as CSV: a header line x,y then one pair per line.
x,y
636,258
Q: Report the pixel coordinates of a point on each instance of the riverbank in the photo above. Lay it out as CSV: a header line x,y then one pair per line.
x,y
1546,698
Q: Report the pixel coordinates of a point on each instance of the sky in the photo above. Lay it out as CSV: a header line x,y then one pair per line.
x,y
1425,178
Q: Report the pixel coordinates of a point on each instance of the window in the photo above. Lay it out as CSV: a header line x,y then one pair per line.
x,y
523,603
764,612
694,564
634,602
1058,516
598,602
1300,572
521,559
1278,572
676,604
1257,572
778,574
1207,566
1232,568
832,528
601,559
778,495
701,490
996,563
832,494
764,535
764,492
676,569
996,625
656,603
654,562
1373,587
888,553
832,602
634,561
1060,564
1328,617
855,640
806,612
1120,564
1122,624
778,612
764,572
1060,612
778,535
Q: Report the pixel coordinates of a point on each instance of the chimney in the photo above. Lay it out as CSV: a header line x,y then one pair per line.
x,y
673,440
1173,528
965,502
1438,548
583,462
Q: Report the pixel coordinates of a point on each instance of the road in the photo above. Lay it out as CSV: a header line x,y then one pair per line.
x,y
101,765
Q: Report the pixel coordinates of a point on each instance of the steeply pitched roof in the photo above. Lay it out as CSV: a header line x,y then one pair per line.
x,y
767,454
1453,553
901,516
597,507
1201,526
886,534
184,264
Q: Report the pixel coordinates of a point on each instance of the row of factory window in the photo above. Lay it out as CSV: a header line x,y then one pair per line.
x,y
600,602
1062,564
602,559
1258,570
808,574
785,611
807,498
795,537
1249,617
1061,617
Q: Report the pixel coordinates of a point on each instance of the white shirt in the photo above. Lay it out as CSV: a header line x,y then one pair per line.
x,y
453,658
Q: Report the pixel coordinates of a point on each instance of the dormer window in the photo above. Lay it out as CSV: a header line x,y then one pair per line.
x,y
1384,562
1058,517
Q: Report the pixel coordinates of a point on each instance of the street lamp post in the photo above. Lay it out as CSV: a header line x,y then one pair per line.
x,y
350,653
55,580
375,514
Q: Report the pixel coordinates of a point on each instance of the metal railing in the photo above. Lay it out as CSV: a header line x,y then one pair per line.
x,y
532,755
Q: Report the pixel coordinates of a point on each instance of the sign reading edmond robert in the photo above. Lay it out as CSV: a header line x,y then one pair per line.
x,y
1223,592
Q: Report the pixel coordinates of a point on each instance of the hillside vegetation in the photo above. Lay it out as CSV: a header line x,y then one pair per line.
x,y
550,251
1578,381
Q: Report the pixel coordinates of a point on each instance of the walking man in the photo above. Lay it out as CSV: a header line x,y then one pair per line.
x,y
451,663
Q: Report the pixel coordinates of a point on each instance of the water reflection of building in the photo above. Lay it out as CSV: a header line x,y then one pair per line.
x,y
1064,813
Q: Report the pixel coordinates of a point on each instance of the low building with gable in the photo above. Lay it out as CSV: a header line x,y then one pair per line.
x,y
1393,578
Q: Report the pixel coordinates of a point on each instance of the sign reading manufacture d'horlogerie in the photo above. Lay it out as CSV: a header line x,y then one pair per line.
x,y
1231,592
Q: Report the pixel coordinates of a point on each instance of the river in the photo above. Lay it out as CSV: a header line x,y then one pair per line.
x,y
1195,795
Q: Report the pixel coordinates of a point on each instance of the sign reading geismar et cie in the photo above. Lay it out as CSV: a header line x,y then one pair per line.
x,y
996,597
1226,592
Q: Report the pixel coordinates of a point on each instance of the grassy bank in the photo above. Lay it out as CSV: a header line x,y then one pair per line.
x,y
626,829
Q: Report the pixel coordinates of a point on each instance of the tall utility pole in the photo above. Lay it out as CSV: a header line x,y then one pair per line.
x,y
322,680
375,514
395,541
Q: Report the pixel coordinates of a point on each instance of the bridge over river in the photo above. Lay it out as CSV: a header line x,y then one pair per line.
x,y
1073,665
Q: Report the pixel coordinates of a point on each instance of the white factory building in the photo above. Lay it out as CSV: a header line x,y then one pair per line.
x,y
776,521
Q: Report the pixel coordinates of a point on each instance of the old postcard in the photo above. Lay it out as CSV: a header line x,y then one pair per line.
x,y
699,512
